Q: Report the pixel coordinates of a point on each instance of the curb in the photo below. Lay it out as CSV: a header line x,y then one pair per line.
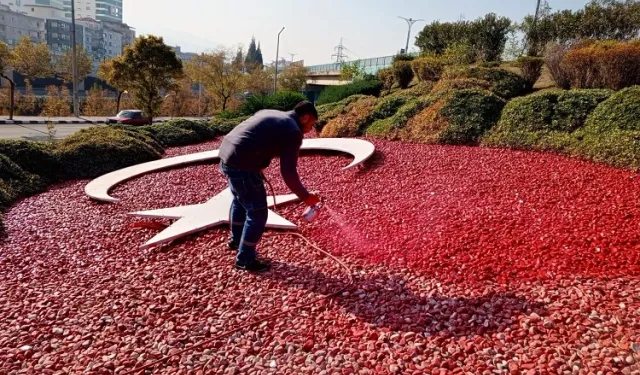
x,y
36,122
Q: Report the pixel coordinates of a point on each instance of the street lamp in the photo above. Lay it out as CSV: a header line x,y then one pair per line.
x,y
74,64
275,80
410,22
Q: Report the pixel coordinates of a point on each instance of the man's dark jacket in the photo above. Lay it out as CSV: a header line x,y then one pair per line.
x,y
255,142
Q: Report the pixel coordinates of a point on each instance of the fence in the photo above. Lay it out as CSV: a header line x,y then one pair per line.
x,y
370,66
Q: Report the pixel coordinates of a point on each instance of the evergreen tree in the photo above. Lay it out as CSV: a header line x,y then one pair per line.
x,y
237,62
251,59
259,57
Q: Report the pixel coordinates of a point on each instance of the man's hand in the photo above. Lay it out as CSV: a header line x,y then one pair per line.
x,y
312,200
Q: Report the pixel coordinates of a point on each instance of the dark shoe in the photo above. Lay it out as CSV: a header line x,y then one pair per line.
x,y
231,245
255,266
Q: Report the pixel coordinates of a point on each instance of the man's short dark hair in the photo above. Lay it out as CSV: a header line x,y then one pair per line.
x,y
306,108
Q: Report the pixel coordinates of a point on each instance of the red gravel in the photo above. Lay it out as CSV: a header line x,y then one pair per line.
x,y
467,261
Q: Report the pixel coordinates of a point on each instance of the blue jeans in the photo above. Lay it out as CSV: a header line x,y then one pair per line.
x,y
249,211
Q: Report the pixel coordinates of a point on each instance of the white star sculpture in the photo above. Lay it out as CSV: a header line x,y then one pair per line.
x,y
198,217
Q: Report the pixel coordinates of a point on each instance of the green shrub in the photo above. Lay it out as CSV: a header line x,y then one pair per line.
x,y
334,94
504,83
172,136
139,133
403,73
603,64
574,107
490,64
390,127
531,68
551,111
460,84
428,68
286,100
620,112
387,107
619,148
16,183
95,151
455,117
33,157
531,113
403,57
228,114
223,126
203,132
281,100
352,121
386,77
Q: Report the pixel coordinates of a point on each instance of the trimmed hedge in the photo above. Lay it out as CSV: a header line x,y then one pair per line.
x,y
387,107
390,127
171,136
327,112
575,106
603,64
222,126
556,122
552,111
460,84
428,68
34,157
457,117
352,121
334,94
620,112
16,183
503,83
140,134
386,77
95,151
620,148
281,100
403,73
180,132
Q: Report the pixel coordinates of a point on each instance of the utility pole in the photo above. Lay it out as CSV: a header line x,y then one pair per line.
x,y
410,22
340,55
275,80
74,64
534,38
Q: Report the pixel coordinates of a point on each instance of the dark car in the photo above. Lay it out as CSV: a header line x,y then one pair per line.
x,y
129,117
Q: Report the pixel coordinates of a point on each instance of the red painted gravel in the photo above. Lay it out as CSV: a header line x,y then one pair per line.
x,y
466,261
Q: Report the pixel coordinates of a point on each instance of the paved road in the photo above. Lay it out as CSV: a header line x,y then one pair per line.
x,y
39,132
74,120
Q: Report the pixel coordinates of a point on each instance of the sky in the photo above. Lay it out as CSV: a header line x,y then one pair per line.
x,y
369,28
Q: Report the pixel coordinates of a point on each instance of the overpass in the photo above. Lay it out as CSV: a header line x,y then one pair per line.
x,y
321,76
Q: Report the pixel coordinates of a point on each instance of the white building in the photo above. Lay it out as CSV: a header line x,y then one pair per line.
x,y
44,11
112,43
184,56
15,26
101,10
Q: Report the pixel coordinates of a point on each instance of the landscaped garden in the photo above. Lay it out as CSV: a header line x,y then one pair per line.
x,y
496,229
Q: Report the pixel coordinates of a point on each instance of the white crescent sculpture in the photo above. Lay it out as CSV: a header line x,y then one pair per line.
x,y
194,218
98,189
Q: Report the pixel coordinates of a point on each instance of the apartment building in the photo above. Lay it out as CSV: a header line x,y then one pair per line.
x,y
15,26
101,10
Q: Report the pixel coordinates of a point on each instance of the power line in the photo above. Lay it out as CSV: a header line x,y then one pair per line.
x,y
340,55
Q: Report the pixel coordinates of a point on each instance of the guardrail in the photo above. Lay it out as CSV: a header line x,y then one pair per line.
x,y
370,65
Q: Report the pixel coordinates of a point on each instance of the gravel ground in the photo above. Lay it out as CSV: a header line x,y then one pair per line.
x,y
464,261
